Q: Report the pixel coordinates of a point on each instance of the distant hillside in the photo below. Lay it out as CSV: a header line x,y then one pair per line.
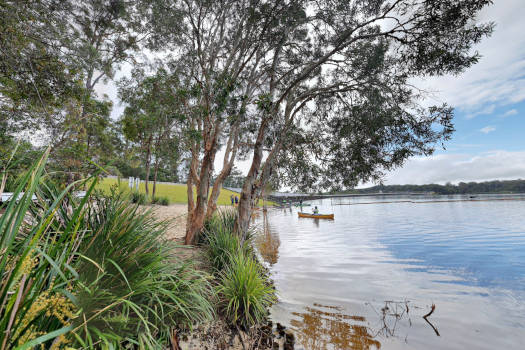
x,y
510,186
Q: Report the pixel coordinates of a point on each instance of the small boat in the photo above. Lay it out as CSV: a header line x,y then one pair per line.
x,y
316,216
301,205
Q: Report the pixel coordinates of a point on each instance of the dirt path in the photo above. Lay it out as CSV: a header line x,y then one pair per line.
x,y
176,214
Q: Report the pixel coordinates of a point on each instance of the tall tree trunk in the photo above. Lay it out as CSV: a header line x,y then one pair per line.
x,y
199,212
148,164
227,165
155,177
249,187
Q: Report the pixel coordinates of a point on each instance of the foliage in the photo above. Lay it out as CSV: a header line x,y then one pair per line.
x,y
160,200
90,272
150,119
235,179
508,186
222,245
138,198
36,78
137,266
244,291
222,220
37,276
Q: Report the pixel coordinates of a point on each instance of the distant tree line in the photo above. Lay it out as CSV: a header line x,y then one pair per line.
x,y
509,186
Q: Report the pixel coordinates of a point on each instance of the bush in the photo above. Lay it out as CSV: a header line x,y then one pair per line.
x,y
222,243
222,220
222,246
160,200
140,268
138,198
36,267
90,273
244,292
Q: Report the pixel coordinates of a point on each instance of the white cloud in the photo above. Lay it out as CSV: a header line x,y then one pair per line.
x,y
443,168
487,129
499,77
487,110
509,113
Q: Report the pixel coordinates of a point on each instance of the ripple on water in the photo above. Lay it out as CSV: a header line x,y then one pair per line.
x,y
342,283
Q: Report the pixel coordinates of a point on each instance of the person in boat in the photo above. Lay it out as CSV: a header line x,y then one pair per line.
x,y
316,211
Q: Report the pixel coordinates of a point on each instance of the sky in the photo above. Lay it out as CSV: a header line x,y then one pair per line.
x,y
489,102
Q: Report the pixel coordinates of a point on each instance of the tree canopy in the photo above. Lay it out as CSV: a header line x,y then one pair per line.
x,y
316,94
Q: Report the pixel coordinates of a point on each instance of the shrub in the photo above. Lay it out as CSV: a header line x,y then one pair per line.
x,y
222,243
160,200
90,272
222,246
139,274
222,220
36,268
138,198
244,292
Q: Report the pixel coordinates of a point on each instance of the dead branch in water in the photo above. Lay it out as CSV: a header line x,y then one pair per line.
x,y
432,308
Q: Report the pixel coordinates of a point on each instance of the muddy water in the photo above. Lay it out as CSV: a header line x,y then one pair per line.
x,y
366,279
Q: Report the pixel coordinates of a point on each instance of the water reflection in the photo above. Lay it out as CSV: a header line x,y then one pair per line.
x,y
466,257
268,243
326,327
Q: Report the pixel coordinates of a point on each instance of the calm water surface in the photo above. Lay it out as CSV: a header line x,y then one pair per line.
x,y
366,279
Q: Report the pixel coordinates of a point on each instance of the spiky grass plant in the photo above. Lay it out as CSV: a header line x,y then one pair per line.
x,y
140,267
221,241
37,278
223,219
244,292
160,201
89,272
139,198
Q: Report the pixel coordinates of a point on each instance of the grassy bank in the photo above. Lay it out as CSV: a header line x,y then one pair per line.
x,y
175,193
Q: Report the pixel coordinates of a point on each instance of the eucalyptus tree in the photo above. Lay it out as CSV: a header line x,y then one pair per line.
x,y
320,92
151,116
216,50
35,75
339,104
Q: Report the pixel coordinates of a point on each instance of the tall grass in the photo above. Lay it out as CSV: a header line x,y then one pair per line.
x,y
36,303
244,290
223,246
90,273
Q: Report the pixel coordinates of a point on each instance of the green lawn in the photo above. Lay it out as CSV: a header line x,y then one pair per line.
x,y
175,193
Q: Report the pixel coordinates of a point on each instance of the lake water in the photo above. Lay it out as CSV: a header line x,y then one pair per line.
x,y
366,279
